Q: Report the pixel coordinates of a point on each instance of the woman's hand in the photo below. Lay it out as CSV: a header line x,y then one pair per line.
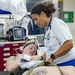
x,y
37,57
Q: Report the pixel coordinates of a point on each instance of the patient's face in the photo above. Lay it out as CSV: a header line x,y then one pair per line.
x,y
30,50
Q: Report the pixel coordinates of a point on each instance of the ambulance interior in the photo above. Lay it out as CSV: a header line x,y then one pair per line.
x,y
16,24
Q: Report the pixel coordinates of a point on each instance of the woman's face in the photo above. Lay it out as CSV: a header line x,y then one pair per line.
x,y
40,20
30,50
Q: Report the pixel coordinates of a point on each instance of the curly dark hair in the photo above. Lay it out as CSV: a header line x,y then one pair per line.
x,y
48,8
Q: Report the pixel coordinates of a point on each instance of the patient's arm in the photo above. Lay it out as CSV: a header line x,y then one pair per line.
x,y
11,65
37,57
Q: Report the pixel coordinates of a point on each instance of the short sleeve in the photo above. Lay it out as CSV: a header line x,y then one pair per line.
x,y
11,58
61,31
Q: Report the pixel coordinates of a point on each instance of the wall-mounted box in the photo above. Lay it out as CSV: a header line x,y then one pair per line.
x,y
68,16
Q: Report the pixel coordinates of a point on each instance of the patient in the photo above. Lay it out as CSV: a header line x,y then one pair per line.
x,y
30,49
12,62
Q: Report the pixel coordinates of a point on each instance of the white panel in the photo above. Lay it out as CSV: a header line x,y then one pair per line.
x,y
4,69
5,59
15,44
4,64
56,6
69,5
6,49
6,54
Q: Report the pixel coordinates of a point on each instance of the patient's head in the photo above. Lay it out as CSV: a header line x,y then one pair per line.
x,y
30,48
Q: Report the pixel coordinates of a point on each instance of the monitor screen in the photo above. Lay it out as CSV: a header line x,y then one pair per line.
x,y
19,33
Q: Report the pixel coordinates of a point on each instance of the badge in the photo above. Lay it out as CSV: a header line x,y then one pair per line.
x,y
48,36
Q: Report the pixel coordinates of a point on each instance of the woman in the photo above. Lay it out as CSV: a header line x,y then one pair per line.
x,y
57,39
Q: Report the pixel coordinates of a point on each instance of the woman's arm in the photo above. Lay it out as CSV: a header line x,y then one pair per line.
x,y
64,49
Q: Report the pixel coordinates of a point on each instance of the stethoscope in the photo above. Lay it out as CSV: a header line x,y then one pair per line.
x,y
49,26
